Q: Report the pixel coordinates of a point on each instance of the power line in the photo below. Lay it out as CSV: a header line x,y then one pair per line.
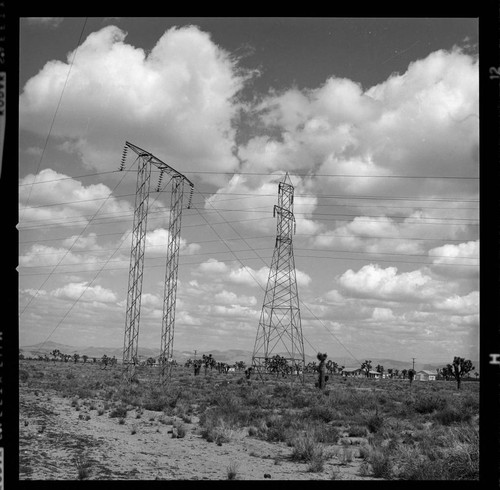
x,y
308,175
68,251
88,285
332,250
313,217
362,237
68,178
57,109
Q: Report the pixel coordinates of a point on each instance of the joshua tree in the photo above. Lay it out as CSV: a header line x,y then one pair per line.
x,y
411,375
85,358
104,361
332,367
322,369
404,372
366,367
55,354
197,366
150,361
390,372
380,369
76,357
460,368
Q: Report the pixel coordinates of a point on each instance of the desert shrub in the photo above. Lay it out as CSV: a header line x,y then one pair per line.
x,y
357,431
179,430
429,403
300,400
118,412
23,375
381,464
306,448
214,428
328,434
374,423
232,471
448,416
364,451
462,461
83,466
325,414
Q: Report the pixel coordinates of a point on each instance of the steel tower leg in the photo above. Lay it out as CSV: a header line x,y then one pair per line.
x,y
136,268
280,328
174,239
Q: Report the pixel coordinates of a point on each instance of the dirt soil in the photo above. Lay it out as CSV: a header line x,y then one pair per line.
x,y
55,441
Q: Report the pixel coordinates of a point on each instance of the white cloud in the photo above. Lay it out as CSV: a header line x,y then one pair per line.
x,y
256,198
83,292
58,198
463,253
230,298
382,314
423,122
372,281
460,305
213,266
182,91
157,241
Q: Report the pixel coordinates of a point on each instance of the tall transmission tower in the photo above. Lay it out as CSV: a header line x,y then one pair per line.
x,y
280,328
146,160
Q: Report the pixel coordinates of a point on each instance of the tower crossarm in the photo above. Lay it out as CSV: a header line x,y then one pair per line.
x,y
153,160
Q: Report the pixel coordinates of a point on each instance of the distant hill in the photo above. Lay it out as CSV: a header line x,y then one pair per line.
x,y
229,356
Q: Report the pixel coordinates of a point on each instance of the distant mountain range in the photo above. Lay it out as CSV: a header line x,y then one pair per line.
x,y
229,356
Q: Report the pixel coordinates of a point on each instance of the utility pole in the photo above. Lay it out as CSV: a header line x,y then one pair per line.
x,y
413,363
280,326
146,160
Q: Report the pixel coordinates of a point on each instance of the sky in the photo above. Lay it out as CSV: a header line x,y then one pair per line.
x,y
375,120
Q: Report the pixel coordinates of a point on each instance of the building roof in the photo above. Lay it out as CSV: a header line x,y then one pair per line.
x,y
426,371
351,369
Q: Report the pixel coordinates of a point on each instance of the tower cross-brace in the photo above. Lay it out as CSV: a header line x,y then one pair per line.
x,y
146,160
280,328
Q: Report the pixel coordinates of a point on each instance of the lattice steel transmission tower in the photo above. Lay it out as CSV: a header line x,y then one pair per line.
x,y
280,329
130,347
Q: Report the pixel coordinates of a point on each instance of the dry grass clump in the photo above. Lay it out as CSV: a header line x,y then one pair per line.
x,y
214,428
307,449
118,412
232,471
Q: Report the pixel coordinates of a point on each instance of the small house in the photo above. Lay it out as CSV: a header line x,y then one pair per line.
x,y
425,375
352,372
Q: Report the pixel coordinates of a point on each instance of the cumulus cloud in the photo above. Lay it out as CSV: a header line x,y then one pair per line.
x,y
382,314
157,240
230,298
183,91
83,292
256,198
246,276
57,198
373,281
422,122
461,254
460,305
